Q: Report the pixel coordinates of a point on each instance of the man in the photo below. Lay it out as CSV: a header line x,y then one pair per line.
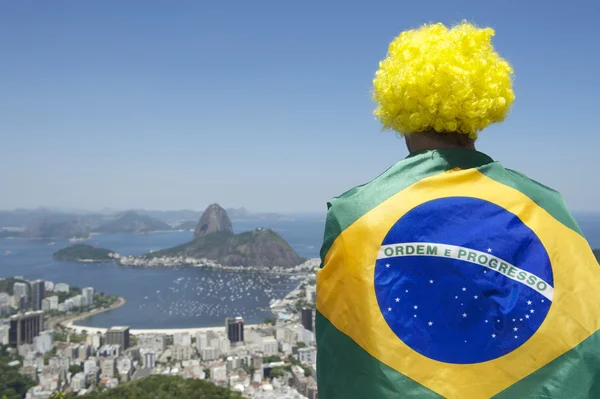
x,y
449,275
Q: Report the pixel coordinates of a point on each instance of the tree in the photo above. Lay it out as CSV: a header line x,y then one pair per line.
x,y
12,384
75,368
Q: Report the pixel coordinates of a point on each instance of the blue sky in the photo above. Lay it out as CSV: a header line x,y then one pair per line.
x,y
263,104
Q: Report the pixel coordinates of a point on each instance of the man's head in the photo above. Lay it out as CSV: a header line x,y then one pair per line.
x,y
439,87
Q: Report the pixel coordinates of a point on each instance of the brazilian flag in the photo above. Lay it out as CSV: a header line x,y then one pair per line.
x,y
451,276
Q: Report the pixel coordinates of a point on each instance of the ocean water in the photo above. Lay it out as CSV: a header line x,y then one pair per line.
x,y
182,297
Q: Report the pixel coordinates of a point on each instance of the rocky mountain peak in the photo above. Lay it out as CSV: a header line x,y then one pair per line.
x,y
214,219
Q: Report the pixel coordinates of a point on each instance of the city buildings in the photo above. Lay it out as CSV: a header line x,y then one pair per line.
x,y
43,343
182,352
24,327
235,330
270,346
307,319
61,287
156,342
218,373
118,336
37,294
148,358
20,295
77,301
201,340
5,307
48,286
182,339
307,355
107,367
209,353
88,296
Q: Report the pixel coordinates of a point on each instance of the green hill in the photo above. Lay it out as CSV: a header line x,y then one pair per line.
x,y
165,387
83,252
261,247
132,222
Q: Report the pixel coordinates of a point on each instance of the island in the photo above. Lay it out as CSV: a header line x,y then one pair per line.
x,y
132,222
85,253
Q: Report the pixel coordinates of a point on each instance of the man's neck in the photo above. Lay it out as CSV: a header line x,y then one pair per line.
x,y
426,141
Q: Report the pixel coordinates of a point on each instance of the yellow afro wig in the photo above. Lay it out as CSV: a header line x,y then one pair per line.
x,y
443,80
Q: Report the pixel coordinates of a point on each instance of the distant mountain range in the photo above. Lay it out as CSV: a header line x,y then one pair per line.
x,y
55,224
132,222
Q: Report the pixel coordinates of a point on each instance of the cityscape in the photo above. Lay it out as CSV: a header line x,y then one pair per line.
x,y
275,359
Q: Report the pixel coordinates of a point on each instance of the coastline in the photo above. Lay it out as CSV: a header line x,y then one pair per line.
x,y
68,323
167,331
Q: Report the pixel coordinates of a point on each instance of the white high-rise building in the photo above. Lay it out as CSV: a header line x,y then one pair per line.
x,y
69,304
46,304
78,382
89,365
148,358
88,294
53,302
107,367
5,307
307,355
43,342
182,339
209,353
20,290
48,285
201,340
270,346
182,352
77,301
221,343
61,287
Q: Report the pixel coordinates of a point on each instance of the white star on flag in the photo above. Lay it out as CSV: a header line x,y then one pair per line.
x,y
475,297
526,316
416,307
516,336
486,321
406,290
387,265
464,289
389,309
415,315
493,335
529,302
397,299
430,281
515,329
532,311
456,297
542,301
489,249
430,323
520,319
498,321
514,319
464,315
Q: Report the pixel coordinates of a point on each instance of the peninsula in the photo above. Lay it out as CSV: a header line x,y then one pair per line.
x,y
215,241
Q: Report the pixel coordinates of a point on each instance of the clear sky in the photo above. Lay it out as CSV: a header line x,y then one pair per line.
x,y
263,104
